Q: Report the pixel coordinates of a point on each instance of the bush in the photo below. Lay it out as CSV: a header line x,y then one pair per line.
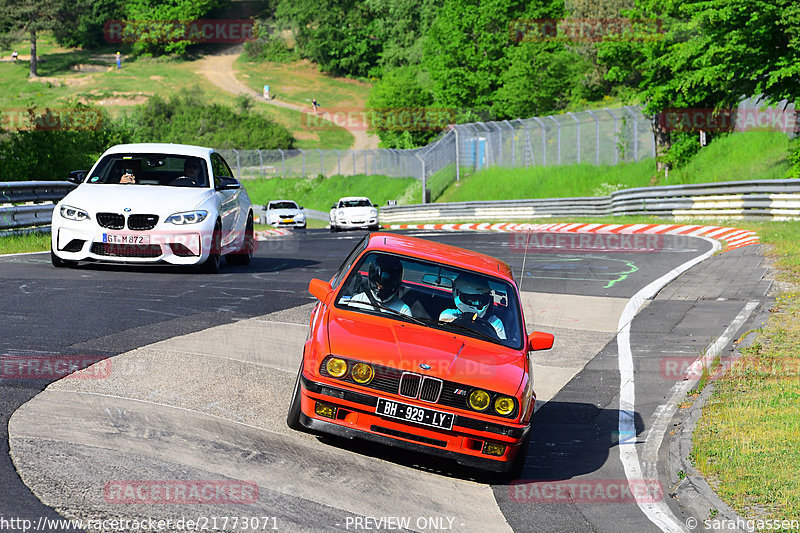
x,y
270,48
186,118
794,159
71,138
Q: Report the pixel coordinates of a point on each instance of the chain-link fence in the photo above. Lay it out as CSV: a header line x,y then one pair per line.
x,y
600,137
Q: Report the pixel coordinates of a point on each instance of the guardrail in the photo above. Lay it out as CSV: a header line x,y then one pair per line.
x,y
29,204
778,199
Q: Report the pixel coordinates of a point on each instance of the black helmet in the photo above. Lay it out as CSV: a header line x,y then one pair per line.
x,y
385,277
472,294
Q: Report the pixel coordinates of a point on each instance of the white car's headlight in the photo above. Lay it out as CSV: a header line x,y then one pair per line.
x,y
187,217
373,212
73,213
341,214
300,216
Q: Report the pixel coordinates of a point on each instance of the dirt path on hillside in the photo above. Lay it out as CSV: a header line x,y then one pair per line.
x,y
218,69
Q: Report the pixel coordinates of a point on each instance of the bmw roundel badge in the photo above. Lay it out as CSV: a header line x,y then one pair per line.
x,y
425,366
127,209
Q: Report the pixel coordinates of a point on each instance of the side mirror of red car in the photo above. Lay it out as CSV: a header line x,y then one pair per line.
x,y
321,290
540,341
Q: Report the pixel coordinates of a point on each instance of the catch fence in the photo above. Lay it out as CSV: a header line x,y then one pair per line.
x,y
599,137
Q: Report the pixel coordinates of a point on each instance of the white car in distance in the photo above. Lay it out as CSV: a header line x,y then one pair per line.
x,y
154,203
353,212
285,214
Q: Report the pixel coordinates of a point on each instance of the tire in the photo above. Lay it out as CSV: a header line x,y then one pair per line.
x,y
518,464
60,263
245,254
334,228
212,264
293,416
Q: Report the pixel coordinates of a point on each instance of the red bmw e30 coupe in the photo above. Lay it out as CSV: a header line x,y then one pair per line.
x,y
422,346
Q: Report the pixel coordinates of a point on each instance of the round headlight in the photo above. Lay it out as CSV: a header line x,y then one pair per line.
x,y
362,373
336,367
504,405
479,400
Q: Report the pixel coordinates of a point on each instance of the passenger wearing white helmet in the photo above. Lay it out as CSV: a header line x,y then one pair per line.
x,y
473,299
384,280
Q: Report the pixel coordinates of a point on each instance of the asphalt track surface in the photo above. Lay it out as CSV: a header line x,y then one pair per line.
x,y
153,317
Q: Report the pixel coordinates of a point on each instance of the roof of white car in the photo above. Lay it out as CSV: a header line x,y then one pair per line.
x,y
276,201
160,148
348,198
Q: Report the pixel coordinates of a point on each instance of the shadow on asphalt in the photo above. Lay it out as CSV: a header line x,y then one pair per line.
x,y
569,440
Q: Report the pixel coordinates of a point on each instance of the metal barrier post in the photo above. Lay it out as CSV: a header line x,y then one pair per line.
x,y
544,140
616,141
596,138
577,135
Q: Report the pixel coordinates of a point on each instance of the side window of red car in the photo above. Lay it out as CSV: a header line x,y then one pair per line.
x,y
345,266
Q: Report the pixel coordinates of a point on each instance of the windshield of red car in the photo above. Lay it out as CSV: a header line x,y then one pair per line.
x,y
441,296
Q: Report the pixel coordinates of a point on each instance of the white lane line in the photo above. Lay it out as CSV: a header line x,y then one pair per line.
x,y
657,512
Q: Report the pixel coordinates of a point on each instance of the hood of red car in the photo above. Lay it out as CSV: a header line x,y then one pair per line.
x,y
406,346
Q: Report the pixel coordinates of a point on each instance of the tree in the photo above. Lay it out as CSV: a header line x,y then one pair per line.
x,y
338,35
157,27
712,54
25,18
80,23
541,78
398,110
470,46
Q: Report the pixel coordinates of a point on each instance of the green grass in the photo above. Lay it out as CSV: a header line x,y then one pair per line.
x,y
34,242
300,81
741,156
748,439
546,182
138,79
321,193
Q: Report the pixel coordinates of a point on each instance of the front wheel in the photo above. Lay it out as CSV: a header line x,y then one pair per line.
x,y
293,416
60,263
518,463
245,253
212,264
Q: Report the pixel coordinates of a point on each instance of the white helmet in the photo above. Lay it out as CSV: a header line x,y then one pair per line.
x,y
472,294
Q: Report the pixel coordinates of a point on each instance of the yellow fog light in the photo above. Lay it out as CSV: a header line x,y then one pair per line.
x,y
504,405
336,367
328,411
490,448
479,400
362,373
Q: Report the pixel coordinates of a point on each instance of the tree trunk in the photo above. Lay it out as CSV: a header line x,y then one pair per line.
x,y
33,73
663,141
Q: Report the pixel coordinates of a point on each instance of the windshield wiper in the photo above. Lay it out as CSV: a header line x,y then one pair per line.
x,y
469,329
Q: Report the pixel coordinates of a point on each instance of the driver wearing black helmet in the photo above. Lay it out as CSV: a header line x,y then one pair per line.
x,y
384,280
473,299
